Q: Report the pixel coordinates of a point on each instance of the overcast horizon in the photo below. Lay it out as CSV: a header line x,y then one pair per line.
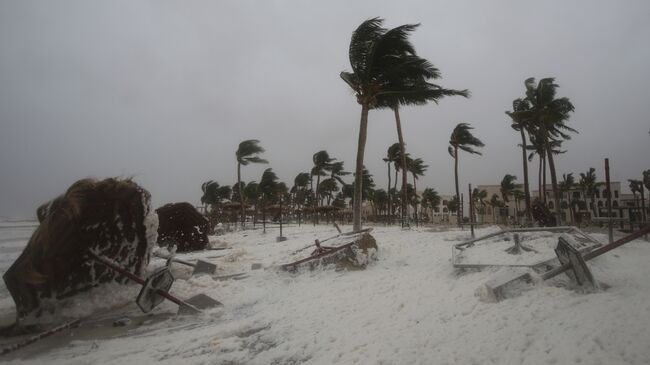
x,y
164,91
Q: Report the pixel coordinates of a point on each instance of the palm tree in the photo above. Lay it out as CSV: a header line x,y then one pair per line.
x,y
411,79
495,203
548,114
519,124
453,205
247,153
299,190
538,147
636,186
267,189
391,157
378,58
379,200
568,182
322,165
431,198
507,187
589,186
461,138
417,168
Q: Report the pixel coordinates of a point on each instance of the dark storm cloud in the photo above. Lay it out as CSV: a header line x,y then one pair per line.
x,y
164,91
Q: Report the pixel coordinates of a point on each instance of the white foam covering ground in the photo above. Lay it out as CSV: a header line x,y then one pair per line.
x,y
409,307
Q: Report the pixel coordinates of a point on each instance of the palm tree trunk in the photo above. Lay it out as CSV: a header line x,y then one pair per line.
x,y
551,165
415,191
457,190
526,187
402,149
358,177
540,190
389,212
241,195
544,179
317,200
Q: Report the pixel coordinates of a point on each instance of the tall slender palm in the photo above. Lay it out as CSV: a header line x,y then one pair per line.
x,y
521,125
299,189
462,139
412,78
507,187
495,203
538,147
636,186
391,157
589,185
248,152
378,58
267,189
568,182
548,114
322,166
417,168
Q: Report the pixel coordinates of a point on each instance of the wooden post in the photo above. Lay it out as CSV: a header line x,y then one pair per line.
x,y
471,211
610,223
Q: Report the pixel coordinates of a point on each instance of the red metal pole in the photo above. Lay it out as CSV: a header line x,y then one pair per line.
x,y
140,280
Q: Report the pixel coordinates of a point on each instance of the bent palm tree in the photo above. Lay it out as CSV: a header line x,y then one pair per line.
x,y
507,187
548,114
589,185
565,186
412,78
322,165
417,168
519,124
378,58
391,157
247,153
461,138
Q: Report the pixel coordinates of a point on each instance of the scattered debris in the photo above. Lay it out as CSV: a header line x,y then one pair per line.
x,y
538,250
571,260
359,248
155,287
200,267
199,301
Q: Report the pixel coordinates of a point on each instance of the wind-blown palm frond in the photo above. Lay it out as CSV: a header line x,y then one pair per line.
x,y
463,139
248,151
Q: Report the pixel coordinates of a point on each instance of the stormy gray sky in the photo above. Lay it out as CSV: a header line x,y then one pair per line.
x,y
165,90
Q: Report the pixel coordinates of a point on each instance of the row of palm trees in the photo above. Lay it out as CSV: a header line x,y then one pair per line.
x,y
387,73
331,190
